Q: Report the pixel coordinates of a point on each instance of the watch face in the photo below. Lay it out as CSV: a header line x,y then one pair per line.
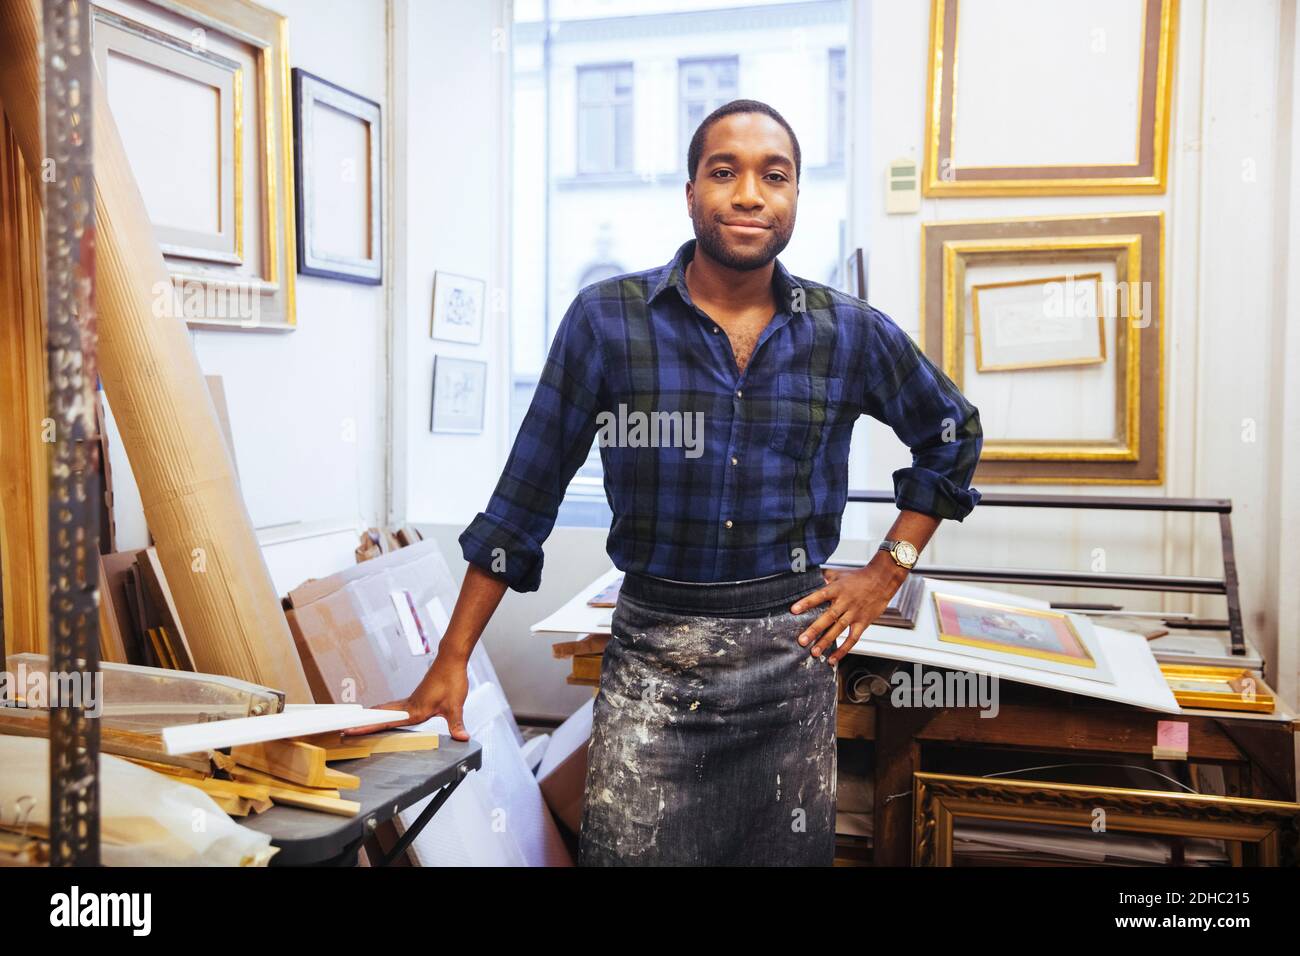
x,y
905,553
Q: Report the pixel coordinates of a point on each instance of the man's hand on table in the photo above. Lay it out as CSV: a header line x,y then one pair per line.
x,y
442,692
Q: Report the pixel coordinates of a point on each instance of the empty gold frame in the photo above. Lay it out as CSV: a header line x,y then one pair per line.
x,y
1256,832
1151,51
123,44
1133,244
240,273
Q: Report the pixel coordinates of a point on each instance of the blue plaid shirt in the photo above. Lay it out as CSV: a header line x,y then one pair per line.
x,y
760,486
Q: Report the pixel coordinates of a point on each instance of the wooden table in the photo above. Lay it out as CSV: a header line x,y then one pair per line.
x,y
1256,751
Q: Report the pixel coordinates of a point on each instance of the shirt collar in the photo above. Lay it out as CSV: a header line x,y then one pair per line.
x,y
674,276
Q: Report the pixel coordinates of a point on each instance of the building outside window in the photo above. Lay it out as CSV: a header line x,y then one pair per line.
x,y
704,85
605,118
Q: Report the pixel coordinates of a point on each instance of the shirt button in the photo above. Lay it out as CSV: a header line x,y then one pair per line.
x,y
715,330
735,460
739,393
728,522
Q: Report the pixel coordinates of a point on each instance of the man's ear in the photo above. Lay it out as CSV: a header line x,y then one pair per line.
x,y
690,198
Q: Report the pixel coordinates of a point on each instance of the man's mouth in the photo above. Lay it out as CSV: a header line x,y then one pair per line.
x,y
746,227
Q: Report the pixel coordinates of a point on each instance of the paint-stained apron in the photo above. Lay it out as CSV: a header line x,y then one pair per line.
x,y
713,735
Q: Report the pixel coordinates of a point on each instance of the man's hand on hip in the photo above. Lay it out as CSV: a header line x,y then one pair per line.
x,y
856,599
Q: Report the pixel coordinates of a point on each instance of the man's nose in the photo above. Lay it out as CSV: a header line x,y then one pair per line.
x,y
747,194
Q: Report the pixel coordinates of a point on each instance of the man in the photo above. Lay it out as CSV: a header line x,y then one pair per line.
x,y
714,728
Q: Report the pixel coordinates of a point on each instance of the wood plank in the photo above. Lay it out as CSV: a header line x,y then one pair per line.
x,y
587,666
403,741
24,505
593,644
299,722
339,779
296,798
249,775
206,544
293,760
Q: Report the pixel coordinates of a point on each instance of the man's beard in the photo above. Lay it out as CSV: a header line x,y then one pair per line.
x,y
709,237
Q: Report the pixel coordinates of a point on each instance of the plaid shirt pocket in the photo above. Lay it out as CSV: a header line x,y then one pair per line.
x,y
805,406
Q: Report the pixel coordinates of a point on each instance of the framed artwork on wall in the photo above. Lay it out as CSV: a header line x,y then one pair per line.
x,y
1095,119
1070,380
459,395
200,93
1039,323
458,308
338,167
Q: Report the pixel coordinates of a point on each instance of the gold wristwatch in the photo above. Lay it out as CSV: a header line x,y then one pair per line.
x,y
903,552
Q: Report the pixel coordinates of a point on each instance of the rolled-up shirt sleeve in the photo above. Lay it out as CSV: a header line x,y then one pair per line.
x,y
911,395
506,539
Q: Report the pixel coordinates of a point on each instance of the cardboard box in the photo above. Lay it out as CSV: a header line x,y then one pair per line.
x,y
563,771
368,634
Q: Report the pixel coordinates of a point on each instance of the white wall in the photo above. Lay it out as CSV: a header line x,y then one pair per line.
x,y
307,407
450,68
1228,209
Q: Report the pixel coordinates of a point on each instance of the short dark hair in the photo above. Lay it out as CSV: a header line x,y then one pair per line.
x,y
728,109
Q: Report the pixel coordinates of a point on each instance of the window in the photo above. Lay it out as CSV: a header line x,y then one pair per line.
x,y
703,86
605,103
605,119
837,113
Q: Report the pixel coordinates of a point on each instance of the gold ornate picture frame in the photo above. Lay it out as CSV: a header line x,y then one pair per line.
x,y
1257,832
1153,58
1133,243
251,285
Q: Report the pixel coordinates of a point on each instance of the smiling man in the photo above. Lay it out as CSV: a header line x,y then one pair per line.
x,y
713,736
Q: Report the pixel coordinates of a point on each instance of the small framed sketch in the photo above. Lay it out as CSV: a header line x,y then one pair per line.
x,y
458,308
459,392
338,166
1039,323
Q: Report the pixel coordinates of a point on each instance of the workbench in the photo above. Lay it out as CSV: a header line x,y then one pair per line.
x,y
389,784
1256,751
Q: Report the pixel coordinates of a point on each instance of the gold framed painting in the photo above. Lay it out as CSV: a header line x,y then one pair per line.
x,y
1096,119
200,93
1029,632
1254,832
1219,688
1049,322
1079,396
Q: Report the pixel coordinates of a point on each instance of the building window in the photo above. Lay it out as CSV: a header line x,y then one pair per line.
x,y
837,112
605,118
703,86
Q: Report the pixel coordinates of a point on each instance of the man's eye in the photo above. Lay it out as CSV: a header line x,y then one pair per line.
x,y
722,172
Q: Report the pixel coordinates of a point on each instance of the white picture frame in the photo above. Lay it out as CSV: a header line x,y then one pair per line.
x,y
1047,322
459,396
457,308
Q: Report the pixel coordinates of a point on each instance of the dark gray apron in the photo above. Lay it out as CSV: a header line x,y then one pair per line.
x,y
713,736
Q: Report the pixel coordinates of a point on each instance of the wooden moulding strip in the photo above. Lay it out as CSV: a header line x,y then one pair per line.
x,y
272,727
205,540
24,540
